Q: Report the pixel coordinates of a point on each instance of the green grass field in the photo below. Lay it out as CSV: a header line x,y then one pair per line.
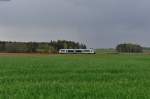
x,y
100,76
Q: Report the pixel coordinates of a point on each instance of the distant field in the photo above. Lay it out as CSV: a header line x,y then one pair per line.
x,y
100,76
105,50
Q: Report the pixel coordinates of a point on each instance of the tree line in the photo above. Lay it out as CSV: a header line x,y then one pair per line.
x,y
129,48
39,47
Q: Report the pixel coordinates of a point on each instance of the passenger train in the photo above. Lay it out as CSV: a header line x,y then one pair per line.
x,y
77,51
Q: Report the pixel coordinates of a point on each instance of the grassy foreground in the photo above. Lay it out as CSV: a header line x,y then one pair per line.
x,y
101,76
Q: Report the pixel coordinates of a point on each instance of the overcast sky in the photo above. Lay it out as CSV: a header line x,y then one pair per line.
x,y
98,23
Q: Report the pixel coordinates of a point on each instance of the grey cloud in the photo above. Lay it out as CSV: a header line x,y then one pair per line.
x,y
99,23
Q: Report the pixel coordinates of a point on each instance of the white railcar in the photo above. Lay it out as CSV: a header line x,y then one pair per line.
x,y
77,51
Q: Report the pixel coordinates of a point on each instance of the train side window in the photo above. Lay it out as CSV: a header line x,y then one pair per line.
x,y
70,51
78,51
86,50
62,50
